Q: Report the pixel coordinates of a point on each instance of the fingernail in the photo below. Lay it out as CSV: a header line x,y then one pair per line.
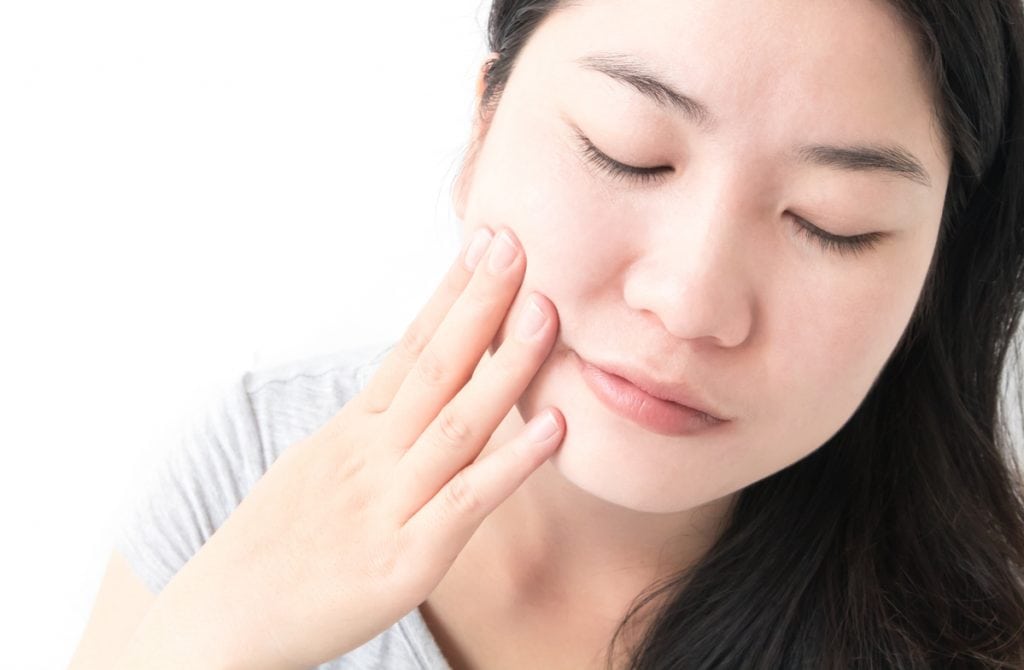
x,y
502,253
542,427
531,320
476,247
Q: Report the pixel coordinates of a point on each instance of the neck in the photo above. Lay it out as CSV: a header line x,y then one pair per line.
x,y
552,542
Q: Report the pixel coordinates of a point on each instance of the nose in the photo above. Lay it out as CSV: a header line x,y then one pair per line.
x,y
692,275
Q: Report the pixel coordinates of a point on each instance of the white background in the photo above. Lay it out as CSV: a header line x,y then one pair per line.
x,y
188,190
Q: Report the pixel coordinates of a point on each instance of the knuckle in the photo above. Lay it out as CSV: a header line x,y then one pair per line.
x,y
414,341
453,430
383,562
482,299
345,426
411,575
460,497
359,500
431,369
351,466
364,404
508,364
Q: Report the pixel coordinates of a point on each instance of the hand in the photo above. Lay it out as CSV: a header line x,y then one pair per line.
x,y
354,526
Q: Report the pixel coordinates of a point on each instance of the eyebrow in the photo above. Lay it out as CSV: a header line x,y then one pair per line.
x,y
630,70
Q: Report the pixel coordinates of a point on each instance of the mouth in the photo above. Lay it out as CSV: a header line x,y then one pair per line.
x,y
652,413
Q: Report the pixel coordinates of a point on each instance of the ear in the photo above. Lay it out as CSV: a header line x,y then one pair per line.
x,y
478,132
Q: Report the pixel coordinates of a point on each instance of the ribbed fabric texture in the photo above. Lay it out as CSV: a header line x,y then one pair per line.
x,y
218,456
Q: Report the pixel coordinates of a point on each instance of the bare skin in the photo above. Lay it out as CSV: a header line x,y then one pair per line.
x,y
705,275
531,615
425,489
353,526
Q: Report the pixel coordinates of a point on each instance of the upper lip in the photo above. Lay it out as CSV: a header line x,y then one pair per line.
x,y
677,392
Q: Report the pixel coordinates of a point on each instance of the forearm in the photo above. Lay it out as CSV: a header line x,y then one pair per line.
x,y
202,621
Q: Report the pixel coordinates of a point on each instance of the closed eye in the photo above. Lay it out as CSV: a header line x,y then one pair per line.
x,y
616,169
852,245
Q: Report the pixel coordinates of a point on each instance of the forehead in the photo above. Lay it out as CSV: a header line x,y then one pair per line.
x,y
779,70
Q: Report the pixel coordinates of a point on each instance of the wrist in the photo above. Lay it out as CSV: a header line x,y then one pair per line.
x,y
201,621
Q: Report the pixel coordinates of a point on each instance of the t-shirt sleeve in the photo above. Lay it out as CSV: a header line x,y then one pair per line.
x,y
199,479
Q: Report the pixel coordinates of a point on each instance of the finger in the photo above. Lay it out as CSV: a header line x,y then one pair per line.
x,y
380,390
441,529
461,429
448,360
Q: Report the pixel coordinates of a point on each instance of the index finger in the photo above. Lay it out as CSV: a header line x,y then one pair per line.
x,y
378,393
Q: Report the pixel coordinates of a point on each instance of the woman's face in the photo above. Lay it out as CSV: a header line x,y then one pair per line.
x,y
700,275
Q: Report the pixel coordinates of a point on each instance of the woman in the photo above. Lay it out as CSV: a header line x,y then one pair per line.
x,y
762,266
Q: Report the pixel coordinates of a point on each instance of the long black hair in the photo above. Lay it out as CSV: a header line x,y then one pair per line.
x,y
899,543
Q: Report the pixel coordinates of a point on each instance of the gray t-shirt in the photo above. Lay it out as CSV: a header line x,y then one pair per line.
x,y
218,458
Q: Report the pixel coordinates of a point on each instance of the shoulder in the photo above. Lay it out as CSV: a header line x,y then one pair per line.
x,y
224,447
291,400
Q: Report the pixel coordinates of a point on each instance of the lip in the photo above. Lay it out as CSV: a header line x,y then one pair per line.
x,y
654,413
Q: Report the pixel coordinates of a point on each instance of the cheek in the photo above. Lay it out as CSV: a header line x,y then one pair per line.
x,y
573,239
833,335
829,325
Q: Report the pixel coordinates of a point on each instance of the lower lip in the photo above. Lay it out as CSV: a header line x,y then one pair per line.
x,y
654,414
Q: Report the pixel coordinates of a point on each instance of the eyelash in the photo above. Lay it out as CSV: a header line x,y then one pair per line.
x,y
853,245
644,175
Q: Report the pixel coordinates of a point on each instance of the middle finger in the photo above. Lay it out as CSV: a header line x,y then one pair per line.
x,y
448,360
